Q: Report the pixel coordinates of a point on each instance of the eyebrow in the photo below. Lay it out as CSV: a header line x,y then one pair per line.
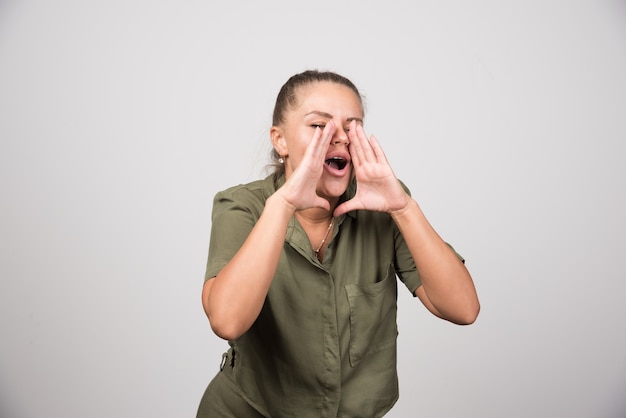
x,y
329,116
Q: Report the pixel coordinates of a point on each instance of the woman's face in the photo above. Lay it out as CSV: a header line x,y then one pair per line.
x,y
317,104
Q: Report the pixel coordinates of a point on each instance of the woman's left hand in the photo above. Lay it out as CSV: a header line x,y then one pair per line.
x,y
378,189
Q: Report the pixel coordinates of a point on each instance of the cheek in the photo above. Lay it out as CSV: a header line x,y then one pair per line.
x,y
299,142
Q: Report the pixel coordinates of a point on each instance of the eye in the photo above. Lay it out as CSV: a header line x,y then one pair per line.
x,y
318,125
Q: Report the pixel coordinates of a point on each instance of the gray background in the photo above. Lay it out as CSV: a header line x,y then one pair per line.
x,y
119,120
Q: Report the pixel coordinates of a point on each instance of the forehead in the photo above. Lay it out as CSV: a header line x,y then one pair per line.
x,y
328,97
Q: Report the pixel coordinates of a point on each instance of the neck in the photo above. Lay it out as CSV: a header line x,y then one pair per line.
x,y
314,216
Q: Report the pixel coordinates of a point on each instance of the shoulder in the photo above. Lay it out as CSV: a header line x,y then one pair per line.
x,y
259,188
249,196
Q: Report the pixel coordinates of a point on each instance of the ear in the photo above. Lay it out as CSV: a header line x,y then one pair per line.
x,y
278,140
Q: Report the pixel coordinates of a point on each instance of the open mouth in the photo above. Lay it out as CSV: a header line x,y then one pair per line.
x,y
338,163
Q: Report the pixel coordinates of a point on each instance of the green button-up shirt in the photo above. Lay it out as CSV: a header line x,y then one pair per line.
x,y
324,344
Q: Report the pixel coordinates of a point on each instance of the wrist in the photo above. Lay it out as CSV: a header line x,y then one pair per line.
x,y
411,205
279,204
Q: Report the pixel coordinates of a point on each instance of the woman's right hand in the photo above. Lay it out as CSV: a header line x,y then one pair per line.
x,y
299,191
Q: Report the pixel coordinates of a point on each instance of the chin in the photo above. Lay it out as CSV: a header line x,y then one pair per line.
x,y
333,188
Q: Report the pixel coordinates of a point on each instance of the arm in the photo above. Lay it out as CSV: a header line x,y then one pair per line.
x,y
447,289
233,298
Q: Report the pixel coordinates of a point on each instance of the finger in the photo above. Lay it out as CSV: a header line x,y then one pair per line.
x,y
366,148
327,134
321,141
318,146
314,144
361,150
346,207
322,203
377,149
355,146
352,131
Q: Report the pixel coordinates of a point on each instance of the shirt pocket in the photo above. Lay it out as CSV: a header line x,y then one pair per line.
x,y
373,310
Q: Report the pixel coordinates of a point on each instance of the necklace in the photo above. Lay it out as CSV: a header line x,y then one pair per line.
x,y
330,226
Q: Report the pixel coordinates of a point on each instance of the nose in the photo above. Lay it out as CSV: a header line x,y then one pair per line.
x,y
340,137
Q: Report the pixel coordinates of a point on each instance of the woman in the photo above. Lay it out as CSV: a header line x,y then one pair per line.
x,y
301,276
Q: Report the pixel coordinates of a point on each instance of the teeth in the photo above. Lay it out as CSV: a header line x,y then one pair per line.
x,y
337,162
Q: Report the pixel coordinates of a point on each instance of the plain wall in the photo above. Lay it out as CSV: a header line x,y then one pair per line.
x,y
120,120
